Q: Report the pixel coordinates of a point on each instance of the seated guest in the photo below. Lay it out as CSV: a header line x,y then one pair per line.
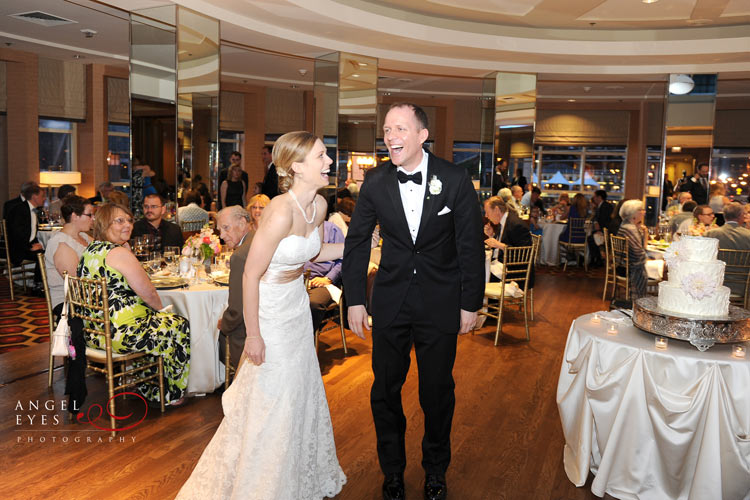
x,y
205,195
22,226
102,193
511,231
716,200
633,230
685,215
510,203
192,212
118,198
562,209
234,227
614,223
578,210
526,198
600,219
703,220
256,205
732,236
676,208
343,214
18,200
535,199
137,324
517,193
746,224
323,274
62,192
65,247
534,226
163,232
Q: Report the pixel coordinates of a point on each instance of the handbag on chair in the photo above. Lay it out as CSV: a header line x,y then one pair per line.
x,y
61,336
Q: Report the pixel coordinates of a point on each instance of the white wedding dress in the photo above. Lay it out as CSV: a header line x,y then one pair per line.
x,y
276,439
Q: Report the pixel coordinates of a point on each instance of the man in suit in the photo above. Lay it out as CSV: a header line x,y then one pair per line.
x,y
600,219
103,191
22,229
499,177
686,214
163,232
698,185
428,288
234,226
511,231
18,200
732,236
519,180
271,179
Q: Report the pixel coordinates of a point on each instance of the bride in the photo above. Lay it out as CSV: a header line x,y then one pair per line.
x,y
276,440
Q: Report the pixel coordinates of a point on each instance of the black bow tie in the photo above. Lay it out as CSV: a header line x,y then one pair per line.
x,y
403,177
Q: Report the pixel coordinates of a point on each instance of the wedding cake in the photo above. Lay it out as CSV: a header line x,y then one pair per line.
x,y
695,286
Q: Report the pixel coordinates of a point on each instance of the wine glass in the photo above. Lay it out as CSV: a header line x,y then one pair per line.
x,y
154,261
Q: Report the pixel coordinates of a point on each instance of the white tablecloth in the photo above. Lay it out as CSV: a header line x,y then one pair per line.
x,y
654,425
549,251
202,305
44,235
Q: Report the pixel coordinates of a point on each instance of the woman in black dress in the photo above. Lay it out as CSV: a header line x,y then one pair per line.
x,y
233,189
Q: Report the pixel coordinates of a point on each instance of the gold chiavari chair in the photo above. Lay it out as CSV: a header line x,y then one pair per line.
x,y
24,271
229,370
737,275
89,301
50,318
577,231
620,264
536,242
517,262
192,226
334,312
609,270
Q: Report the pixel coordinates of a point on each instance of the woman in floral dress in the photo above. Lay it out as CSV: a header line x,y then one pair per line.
x,y
137,325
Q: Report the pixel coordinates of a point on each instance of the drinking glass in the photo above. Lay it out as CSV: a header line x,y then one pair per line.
x,y
154,261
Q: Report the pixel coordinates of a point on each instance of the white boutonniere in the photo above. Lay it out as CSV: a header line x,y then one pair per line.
x,y
436,187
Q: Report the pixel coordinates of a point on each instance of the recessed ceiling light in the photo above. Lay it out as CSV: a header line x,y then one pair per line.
x,y
649,1
571,100
77,56
355,75
680,84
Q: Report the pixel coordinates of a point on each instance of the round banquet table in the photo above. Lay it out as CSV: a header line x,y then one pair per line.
x,y
44,235
549,251
651,424
202,305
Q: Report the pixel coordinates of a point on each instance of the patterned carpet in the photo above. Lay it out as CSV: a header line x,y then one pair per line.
x,y
23,322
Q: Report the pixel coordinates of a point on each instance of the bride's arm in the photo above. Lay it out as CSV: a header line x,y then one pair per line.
x,y
328,251
275,224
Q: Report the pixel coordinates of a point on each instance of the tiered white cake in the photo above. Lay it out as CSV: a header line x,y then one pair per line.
x,y
696,277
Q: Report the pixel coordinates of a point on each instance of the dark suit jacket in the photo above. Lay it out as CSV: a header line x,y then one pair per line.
x,y
448,255
520,181
700,194
10,204
271,182
517,234
603,214
233,319
19,230
171,234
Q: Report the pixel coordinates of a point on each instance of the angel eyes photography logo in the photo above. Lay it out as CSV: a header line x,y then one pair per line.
x,y
62,422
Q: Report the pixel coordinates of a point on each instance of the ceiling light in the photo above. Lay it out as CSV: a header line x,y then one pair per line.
x,y
571,100
676,149
649,1
680,84
355,75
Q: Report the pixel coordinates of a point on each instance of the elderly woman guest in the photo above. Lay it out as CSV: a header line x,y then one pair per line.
x,y
633,230
717,200
64,249
563,206
257,203
510,202
134,306
233,190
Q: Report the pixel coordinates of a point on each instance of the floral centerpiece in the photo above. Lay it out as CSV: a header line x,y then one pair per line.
x,y
204,244
698,229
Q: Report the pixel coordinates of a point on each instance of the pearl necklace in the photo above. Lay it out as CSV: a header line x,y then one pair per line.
x,y
304,215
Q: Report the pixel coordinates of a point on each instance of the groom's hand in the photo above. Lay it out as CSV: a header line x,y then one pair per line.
x,y
468,321
358,320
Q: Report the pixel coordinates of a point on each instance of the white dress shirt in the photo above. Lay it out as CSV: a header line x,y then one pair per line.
x,y
412,197
496,251
33,221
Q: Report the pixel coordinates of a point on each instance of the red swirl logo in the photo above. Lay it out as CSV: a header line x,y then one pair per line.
x,y
96,406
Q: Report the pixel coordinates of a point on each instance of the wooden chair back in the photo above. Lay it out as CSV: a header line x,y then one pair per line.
x,y
620,262
737,274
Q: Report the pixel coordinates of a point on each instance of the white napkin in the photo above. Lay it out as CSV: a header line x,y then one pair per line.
x,y
616,317
167,309
335,292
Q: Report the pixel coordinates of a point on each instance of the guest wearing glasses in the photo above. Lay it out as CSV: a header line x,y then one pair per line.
x,y
163,232
703,220
633,230
137,323
65,247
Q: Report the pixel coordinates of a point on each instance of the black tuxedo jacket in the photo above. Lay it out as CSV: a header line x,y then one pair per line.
x,y
19,230
448,254
603,214
10,204
700,194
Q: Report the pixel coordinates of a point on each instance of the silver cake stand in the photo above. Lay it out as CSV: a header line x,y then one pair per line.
x,y
702,332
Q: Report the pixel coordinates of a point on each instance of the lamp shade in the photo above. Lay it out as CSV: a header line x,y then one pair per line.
x,y
680,84
56,179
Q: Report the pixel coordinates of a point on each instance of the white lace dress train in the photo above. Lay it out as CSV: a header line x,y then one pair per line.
x,y
276,440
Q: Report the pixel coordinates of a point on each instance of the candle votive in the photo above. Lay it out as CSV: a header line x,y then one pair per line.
x,y
612,330
595,318
739,351
661,343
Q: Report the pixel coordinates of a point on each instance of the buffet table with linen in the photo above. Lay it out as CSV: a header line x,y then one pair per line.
x,y
654,424
202,305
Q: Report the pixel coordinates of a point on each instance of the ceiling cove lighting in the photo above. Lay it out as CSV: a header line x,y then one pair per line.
x,y
680,84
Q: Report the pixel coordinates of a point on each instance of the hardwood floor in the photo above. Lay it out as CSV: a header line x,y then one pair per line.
x,y
507,441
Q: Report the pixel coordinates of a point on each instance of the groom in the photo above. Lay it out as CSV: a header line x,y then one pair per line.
x,y
428,288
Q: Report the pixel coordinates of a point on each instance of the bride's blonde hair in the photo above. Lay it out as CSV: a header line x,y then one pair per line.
x,y
289,148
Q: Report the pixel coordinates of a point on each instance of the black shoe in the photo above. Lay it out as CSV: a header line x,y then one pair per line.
x,y
393,487
435,487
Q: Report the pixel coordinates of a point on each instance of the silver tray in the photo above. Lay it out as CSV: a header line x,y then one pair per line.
x,y
701,332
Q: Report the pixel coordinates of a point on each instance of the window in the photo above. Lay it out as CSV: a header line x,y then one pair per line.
x,y
583,169
118,155
57,139
732,167
469,155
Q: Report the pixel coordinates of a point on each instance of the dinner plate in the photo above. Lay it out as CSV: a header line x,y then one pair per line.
x,y
168,282
221,279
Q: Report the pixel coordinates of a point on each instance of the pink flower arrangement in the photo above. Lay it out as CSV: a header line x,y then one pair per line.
x,y
206,244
